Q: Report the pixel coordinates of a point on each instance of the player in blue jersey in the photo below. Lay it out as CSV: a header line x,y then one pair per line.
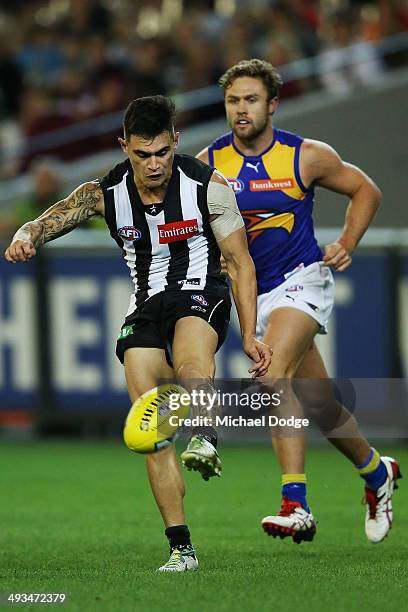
x,y
273,173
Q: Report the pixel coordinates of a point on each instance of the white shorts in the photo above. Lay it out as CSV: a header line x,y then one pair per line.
x,y
310,289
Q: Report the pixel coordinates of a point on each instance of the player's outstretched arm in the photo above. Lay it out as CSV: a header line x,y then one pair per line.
x,y
321,165
84,202
229,231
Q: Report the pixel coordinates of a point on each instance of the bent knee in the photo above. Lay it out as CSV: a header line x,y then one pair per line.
x,y
193,369
315,394
281,370
283,364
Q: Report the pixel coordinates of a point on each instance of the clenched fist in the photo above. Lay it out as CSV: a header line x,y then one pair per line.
x,y
20,250
336,256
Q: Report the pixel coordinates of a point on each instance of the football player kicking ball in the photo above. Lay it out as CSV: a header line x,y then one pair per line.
x,y
274,173
171,215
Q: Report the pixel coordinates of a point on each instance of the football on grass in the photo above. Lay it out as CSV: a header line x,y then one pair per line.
x,y
154,418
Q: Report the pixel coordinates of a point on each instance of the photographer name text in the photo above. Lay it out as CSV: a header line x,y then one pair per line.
x,y
239,421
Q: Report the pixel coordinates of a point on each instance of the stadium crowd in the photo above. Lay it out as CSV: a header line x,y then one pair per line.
x,y
65,61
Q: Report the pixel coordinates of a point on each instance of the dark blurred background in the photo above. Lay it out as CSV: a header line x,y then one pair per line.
x,y
68,68
63,62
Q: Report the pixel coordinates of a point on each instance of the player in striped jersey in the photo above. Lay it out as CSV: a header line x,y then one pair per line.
x,y
171,215
273,173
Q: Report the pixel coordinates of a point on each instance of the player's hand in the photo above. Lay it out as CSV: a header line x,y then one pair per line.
x,y
260,353
337,256
20,250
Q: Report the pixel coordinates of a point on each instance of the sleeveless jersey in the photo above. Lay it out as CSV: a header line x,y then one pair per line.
x,y
169,245
274,203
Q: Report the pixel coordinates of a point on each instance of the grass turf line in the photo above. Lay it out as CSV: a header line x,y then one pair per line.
x,y
79,518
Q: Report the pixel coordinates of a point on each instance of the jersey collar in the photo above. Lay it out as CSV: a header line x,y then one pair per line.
x,y
268,148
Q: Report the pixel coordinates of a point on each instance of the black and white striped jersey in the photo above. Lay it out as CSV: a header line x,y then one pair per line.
x,y
168,245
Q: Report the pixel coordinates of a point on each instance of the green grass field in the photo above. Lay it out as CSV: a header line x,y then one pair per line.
x,y
79,518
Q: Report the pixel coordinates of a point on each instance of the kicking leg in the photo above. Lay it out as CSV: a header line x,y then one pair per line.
x,y
195,369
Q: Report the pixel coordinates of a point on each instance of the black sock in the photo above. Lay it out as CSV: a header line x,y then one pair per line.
x,y
209,433
178,535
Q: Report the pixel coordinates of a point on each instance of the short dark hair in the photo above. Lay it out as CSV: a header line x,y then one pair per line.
x,y
149,117
257,69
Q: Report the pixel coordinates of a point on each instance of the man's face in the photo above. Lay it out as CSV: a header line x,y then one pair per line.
x,y
151,158
248,108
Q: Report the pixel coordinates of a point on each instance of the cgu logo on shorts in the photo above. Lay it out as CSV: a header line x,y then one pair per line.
x,y
128,232
236,184
200,299
271,185
177,230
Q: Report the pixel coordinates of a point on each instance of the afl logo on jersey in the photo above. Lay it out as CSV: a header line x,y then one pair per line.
x,y
129,233
236,184
200,299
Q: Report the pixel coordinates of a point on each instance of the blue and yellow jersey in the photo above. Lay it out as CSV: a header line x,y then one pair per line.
x,y
274,203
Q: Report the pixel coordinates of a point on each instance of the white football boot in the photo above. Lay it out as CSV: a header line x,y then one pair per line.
x,y
182,559
379,512
202,456
293,520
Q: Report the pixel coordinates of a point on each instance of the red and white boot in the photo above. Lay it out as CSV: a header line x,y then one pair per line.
x,y
379,512
293,520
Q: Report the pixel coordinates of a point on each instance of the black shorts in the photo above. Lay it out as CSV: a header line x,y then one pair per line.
x,y
152,325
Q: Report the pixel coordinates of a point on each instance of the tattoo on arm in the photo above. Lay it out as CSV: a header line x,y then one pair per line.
x,y
65,215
